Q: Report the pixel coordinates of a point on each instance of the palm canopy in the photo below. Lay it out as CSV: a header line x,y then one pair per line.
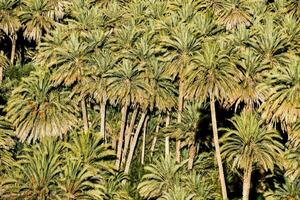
x,y
36,110
283,86
126,84
250,141
9,21
212,73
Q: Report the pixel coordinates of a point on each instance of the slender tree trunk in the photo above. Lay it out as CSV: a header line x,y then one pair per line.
x,y
179,118
247,181
154,140
192,152
144,142
134,141
114,143
1,74
167,139
84,116
103,119
217,147
121,136
13,48
128,135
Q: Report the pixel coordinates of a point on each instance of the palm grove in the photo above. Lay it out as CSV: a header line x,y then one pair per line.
x,y
150,99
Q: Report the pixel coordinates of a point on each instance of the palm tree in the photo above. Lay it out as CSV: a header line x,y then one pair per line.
x,y
282,104
288,191
90,150
10,23
6,144
78,182
39,16
180,47
95,82
40,167
37,110
250,143
126,85
213,76
177,193
159,177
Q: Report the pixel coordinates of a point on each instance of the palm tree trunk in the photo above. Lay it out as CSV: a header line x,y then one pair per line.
x,y
134,141
179,117
154,140
103,119
144,142
192,152
1,74
128,135
84,116
13,48
167,139
217,147
121,136
247,181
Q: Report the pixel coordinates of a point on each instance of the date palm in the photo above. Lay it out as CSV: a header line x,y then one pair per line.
x,y
39,16
126,86
283,86
10,22
250,143
6,144
37,110
213,76
3,64
180,47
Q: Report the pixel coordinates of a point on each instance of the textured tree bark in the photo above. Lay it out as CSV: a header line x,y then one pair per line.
x,y
217,146
144,142
167,139
103,119
121,136
128,135
134,141
192,152
13,48
154,140
84,116
247,181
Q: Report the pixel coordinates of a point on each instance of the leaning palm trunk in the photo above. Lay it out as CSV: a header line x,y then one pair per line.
x,y
154,140
167,139
13,48
134,141
192,152
128,135
144,142
121,136
179,117
84,116
247,181
217,146
103,119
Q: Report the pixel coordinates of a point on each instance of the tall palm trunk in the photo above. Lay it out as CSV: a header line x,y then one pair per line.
x,y
128,135
13,39
84,116
167,139
217,146
154,139
134,141
179,118
1,74
144,142
192,152
247,181
103,119
121,136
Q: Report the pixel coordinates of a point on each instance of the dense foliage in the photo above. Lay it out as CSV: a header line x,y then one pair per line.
x,y
150,99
